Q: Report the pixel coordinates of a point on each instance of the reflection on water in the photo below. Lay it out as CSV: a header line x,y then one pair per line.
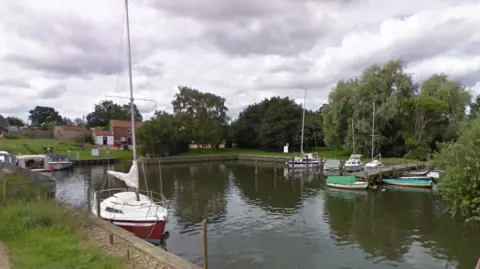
x,y
267,220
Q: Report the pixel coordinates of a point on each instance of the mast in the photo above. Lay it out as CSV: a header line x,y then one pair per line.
x,y
373,128
130,80
353,136
303,122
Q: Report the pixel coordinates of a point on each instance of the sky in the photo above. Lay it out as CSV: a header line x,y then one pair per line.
x,y
71,54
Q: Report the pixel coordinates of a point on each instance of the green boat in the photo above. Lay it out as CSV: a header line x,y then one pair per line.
x,y
346,182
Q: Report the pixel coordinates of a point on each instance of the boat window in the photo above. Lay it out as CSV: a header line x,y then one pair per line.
x,y
113,210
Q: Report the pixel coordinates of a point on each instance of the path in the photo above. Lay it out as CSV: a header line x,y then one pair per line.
x,y
4,257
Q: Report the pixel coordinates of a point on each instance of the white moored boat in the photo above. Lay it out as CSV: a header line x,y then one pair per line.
x,y
59,162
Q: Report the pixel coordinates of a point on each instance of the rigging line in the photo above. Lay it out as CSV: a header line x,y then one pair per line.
x,y
120,46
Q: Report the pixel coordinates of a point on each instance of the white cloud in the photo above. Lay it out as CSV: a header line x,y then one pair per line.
x,y
70,55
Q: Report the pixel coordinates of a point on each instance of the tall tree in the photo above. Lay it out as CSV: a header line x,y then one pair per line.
x,y
43,114
15,121
104,112
203,114
475,108
162,135
78,122
127,109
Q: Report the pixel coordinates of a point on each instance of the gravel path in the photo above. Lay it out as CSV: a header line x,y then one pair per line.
x,y
4,257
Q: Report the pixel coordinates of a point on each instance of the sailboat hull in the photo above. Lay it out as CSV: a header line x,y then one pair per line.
x,y
151,231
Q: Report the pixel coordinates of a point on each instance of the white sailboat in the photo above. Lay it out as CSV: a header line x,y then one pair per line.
x,y
306,159
140,214
355,161
374,163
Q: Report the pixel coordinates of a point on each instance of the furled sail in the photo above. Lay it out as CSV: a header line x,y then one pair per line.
x,y
130,178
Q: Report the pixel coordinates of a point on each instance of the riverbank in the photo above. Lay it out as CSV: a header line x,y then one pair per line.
x,y
329,154
61,147
38,233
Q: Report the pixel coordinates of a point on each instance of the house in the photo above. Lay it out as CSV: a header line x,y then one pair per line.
x,y
68,132
102,137
122,130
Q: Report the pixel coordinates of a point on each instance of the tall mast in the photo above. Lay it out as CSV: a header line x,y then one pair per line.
x,y
132,108
353,137
373,128
303,122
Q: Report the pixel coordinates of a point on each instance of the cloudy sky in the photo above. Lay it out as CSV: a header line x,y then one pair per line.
x,y
71,54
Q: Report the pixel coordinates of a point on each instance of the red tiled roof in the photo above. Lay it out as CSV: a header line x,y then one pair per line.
x,y
73,128
102,133
123,124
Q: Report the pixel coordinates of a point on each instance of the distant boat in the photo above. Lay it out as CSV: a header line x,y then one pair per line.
x,y
416,182
415,173
5,157
346,182
354,163
59,162
374,164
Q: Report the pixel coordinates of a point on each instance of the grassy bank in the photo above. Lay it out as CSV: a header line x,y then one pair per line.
x,y
328,153
41,234
17,146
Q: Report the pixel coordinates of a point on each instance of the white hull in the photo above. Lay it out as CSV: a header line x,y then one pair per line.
x,y
303,165
360,185
60,165
353,168
407,184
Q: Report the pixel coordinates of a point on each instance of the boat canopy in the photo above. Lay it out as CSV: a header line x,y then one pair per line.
x,y
342,180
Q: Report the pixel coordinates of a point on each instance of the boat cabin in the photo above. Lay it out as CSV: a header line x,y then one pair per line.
x,y
5,157
37,163
58,158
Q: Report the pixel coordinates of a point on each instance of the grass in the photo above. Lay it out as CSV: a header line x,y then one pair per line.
x,y
42,234
16,146
328,153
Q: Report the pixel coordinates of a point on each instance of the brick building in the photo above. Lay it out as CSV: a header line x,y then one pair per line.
x,y
67,132
122,130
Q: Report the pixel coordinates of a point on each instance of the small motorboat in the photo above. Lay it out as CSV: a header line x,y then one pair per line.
x,y
415,173
6,157
354,163
59,162
346,182
307,160
410,182
374,164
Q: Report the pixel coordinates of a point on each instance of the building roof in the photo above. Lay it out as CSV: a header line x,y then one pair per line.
x,y
100,132
123,124
3,123
73,128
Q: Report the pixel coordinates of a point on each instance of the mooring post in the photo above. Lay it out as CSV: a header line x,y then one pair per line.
x,y
275,168
5,192
97,203
256,165
205,246
110,239
293,165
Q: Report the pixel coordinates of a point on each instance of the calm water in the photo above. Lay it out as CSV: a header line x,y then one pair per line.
x,y
294,222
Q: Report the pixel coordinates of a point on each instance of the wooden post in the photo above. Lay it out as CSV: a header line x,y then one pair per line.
x,y
5,192
293,165
110,239
205,246
97,203
275,168
256,166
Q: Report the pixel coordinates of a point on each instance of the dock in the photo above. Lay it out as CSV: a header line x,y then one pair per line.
x,y
94,161
377,174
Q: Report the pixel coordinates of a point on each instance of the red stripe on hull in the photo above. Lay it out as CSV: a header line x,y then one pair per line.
x,y
148,230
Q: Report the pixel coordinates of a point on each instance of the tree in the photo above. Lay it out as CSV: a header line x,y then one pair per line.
x,y
461,179
204,115
162,135
104,112
475,108
43,114
78,122
281,124
127,109
15,121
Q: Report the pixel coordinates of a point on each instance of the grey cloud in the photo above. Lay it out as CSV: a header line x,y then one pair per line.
x,y
151,69
52,92
13,82
74,47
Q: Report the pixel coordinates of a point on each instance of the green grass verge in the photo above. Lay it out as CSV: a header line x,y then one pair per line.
x,y
42,234
326,152
16,146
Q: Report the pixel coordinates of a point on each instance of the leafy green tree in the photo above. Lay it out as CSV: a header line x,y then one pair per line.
x,y
162,135
47,126
461,180
204,115
43,114
281,124
15,121
475,108
107,110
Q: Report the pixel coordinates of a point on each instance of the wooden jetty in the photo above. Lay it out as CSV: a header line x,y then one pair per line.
x,y
94,161
375,175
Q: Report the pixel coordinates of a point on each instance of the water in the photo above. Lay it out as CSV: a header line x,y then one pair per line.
x,y
285,222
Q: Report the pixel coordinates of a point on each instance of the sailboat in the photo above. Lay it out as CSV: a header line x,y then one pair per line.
x,y
374,163
306,159
355,161
137,213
